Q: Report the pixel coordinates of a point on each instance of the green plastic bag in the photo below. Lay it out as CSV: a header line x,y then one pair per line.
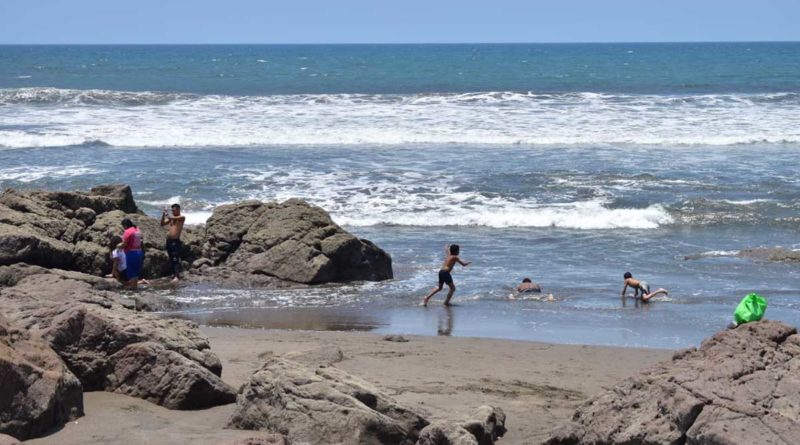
x,y
751,308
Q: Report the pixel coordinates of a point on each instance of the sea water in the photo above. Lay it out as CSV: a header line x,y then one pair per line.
x,y
569,164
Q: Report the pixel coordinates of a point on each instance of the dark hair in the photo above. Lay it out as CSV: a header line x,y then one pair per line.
x,y
114,242
628,275
127,223
526,280
176,206
454,249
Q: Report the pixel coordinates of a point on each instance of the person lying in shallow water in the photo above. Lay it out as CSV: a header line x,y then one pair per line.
x,y
640,286
528,286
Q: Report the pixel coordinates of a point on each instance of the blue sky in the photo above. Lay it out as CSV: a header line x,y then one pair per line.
x,y
396,21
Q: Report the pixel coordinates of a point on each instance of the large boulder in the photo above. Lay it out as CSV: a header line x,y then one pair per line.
x,y
323,405
38,393
740,387
292,241
111,347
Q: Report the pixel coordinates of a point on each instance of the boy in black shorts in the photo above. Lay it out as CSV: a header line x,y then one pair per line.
x,y
451,258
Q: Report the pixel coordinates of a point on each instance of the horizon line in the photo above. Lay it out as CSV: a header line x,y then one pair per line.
x,y
396,43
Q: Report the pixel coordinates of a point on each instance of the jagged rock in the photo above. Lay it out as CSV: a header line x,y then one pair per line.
x,y
71,230
150,371
292,241
740,387
37,392
23,245
96,336
446,433
487,424
321,406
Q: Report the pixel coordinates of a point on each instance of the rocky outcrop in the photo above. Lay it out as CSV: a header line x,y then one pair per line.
x,y
249,243
485,426
110,347
291,241
740,387
322,406
70,230
37,392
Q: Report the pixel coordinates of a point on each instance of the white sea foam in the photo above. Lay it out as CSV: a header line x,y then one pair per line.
x,y
30,174
60,117
411,199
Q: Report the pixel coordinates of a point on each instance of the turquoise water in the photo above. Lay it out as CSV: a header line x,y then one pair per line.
x,y
567,163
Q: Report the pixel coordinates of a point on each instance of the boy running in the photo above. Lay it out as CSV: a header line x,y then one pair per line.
x,y
451,258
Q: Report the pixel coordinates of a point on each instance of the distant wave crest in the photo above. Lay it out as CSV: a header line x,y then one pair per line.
x,y
46,117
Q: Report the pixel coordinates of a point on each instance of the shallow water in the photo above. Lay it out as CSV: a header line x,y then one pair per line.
x,y
580,164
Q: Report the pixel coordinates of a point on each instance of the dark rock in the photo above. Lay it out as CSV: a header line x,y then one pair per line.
x,y
292,241
321,406
739,387
37,392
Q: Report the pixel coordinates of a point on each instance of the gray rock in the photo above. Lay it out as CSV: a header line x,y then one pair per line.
x,y
776,254
96,336
446,433
291,241
38,392
85,215
740,387
487,424
321,406
71,230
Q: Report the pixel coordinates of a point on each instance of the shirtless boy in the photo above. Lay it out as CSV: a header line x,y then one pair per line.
x,y
175,223
451,258
640,286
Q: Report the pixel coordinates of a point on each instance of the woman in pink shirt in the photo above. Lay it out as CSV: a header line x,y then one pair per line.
x,y
134,256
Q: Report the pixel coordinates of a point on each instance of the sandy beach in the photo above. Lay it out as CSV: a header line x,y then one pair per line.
x,y
537,384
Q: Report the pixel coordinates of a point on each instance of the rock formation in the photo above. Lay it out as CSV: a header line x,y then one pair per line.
x,y
740,386
322,406
291,241
109,346
38,393
250,243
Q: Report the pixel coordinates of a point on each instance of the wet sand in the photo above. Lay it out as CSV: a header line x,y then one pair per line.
x,y
537,384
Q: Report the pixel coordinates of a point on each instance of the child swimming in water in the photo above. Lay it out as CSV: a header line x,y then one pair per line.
x,y
451,258
640,286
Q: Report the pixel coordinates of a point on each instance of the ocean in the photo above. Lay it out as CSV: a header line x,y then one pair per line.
x,y
566,163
